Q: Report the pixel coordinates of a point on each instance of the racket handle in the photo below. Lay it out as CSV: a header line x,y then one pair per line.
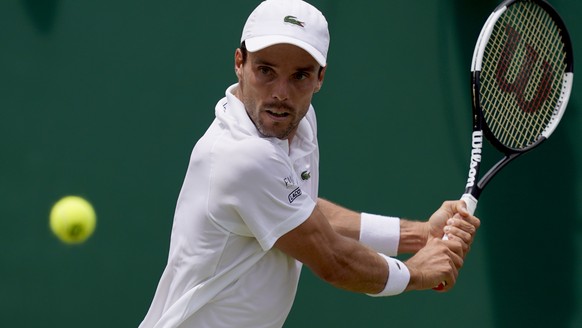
x,y
471,202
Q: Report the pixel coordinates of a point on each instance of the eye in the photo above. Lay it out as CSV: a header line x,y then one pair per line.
x,y
300,76
264,70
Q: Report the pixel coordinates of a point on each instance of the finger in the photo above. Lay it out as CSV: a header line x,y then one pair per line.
x,y
457,247
446,284
456,234
465,245
451,206
461,208
473,220
451,231
466,216
451,279
461,223
458,263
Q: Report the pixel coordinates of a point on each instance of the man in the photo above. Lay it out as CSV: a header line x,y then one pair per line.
x,y
248,215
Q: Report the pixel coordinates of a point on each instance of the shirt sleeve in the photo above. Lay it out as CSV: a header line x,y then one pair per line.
x,y
256,192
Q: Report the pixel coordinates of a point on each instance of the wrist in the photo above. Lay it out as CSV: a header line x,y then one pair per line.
x,y
398,278
381,233
413,236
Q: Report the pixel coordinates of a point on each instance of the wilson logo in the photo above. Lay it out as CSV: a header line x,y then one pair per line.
x,y
477,144
294,194
521,77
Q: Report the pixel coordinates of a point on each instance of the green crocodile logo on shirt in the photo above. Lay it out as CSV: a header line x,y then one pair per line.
x,y
293,20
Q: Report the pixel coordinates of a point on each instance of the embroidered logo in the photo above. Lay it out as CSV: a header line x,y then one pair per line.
x,y
305,175
293,20
291,182
294,194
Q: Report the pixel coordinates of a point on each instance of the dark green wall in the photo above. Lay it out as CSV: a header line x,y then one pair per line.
x,y
105,99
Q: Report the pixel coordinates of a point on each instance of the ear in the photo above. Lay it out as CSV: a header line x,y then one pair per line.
x,y
320,79
238,63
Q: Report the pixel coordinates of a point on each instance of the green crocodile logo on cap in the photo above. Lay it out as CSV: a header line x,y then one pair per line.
x,y
293,20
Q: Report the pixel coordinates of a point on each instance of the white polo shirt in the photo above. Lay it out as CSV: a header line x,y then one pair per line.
x,y
241,193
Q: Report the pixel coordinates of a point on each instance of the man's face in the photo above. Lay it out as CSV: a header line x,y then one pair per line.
x,y
276,85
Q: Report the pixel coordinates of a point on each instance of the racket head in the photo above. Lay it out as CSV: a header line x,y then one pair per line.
x,y
522,74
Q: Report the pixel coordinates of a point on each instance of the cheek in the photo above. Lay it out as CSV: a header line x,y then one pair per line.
x,y
305,91
250,81
304,98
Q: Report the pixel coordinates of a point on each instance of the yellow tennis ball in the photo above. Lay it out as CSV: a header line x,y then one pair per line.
x,y
73,219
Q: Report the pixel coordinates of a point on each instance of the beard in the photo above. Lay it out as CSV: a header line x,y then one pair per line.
x,y
265,118
270,128
274,118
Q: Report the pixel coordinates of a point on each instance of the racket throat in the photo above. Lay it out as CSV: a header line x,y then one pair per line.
x,y
476,150
476,189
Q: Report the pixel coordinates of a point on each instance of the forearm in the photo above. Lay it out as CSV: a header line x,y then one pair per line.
x,y
343,221
355,268
342,261
434,260
363,270
411,237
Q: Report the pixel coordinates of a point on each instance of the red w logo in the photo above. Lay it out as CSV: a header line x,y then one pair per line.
x,y
522,78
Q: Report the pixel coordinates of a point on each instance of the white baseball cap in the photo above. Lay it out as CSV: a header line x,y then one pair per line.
x,y
287,21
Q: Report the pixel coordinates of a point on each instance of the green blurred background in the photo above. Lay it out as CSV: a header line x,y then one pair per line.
x,y
105,99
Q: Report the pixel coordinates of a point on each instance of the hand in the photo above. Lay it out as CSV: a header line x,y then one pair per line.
x,y
453,219
440,260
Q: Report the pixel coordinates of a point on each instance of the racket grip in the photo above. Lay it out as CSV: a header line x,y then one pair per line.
x,y
471,203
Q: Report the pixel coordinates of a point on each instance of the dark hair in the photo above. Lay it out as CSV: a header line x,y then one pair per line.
x,y
244,52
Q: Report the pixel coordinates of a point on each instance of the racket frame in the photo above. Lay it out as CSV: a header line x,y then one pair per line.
x,y
473,188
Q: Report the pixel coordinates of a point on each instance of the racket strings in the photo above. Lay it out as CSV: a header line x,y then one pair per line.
x,y
530,120
521,75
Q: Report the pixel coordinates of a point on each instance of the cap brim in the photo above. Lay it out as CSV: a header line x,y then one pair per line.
x,y
262,42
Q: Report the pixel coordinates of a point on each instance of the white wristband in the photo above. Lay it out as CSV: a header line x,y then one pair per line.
x,y
381,233
398,278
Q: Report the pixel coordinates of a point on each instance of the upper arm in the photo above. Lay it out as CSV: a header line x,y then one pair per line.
x,y
311,243
254,191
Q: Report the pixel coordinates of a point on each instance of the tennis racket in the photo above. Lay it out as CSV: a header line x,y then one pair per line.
x,y
521,79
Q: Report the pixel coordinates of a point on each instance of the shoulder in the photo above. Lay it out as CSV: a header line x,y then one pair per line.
x,y
248,158
251,150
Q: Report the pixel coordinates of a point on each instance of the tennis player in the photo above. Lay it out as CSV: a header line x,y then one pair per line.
x,y
248,215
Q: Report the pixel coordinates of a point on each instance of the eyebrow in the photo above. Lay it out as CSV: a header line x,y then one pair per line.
x,y
308,68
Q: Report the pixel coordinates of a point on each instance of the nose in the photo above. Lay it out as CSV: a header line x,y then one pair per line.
x,y
280,89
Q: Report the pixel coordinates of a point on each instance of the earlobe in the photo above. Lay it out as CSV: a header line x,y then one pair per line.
x,y
320,79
